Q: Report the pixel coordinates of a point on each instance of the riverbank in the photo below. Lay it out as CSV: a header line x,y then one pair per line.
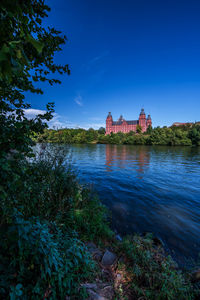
x,y
57,244
137,267
185,135
146,189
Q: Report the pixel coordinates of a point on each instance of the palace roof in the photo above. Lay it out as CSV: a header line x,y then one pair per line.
x,y
120,121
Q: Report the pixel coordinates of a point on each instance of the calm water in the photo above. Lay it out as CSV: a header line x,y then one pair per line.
x,y
148,189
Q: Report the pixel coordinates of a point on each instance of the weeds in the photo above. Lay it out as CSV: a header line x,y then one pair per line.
x,y
153,273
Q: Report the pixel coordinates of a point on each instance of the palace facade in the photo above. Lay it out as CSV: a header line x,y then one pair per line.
x,y
125,126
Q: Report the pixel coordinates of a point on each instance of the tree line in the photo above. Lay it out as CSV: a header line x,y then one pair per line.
x,y
186,135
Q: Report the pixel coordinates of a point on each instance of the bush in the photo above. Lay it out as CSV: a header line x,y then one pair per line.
x,y
45,215
40,260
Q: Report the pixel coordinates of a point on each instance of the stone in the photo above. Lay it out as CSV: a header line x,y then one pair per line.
x,y
90,245
118,280
99,291
94,251
175,265
121,260
107,292
118,277
196,275
90,286
98,255
105,275
108,258
95,296
118,237
158,242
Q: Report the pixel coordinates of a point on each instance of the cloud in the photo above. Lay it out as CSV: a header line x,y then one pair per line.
x,y
95,60
31,113
56,122
78,100
92,125
99,57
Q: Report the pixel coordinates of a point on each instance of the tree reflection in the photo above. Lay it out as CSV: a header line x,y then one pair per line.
x,y
125,156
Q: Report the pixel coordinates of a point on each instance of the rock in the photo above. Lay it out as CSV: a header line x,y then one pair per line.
x,y
90,286
107,292
94,251
118,279
158,242
91,246
121,260
175,265
98,255
118,237
108,258
196,275
105,275
95,296
99,291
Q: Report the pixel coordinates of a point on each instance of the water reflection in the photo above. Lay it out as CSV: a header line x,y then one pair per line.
x,y
137,158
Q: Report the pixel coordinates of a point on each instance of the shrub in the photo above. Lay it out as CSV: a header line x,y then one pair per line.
x,y
39,260
45,214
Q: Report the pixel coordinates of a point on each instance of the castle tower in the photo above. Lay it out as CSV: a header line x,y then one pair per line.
x,y
149,121
142,120
120,118
109,121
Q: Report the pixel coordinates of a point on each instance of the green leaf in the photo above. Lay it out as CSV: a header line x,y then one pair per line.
x,y
19,54
3,53
36,44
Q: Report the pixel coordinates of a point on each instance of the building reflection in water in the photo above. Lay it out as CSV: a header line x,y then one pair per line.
x,y
126,156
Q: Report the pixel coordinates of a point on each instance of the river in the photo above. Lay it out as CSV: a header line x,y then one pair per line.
x,y
148,189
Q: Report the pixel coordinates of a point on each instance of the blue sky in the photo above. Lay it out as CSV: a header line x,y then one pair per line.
x,y
125,55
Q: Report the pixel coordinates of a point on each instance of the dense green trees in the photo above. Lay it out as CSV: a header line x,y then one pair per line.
x,y
26,56
194,135
171,136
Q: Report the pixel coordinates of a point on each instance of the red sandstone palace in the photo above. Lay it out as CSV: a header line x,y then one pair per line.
x,y
125,126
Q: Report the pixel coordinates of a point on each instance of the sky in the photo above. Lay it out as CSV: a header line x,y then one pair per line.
x,y
125,55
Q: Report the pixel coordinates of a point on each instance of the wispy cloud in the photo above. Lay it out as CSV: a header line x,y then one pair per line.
x,y
93,125
56,122
79,100
98,57
59,121
93,61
